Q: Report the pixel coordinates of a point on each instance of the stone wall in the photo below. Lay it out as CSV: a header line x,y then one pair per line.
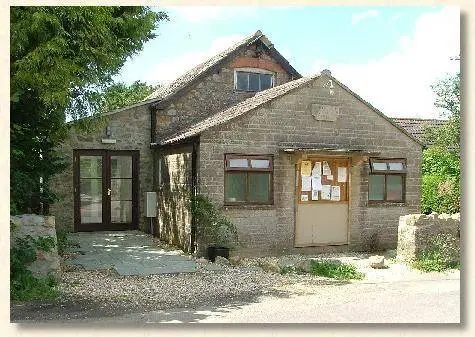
x,y
37,226
213,93
131,130
270,229
174,191
416,231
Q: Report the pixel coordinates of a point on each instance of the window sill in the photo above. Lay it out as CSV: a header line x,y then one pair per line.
x,y
249,206
386,204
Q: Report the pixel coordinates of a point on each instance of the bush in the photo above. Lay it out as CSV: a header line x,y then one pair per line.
x,y
211,225
24,285
440,181
442,253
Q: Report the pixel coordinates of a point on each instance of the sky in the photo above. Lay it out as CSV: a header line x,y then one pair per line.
x,y
390,56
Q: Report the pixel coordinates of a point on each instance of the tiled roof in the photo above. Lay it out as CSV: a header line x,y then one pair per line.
x,y
187,78
416,126
236,110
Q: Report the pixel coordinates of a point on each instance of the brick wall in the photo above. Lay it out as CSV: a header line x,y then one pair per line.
x,y
131,129
289,118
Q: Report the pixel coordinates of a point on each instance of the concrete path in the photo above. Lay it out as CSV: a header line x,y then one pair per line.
x,y
129,253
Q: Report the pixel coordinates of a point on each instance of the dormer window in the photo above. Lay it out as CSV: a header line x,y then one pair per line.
x,y
249,79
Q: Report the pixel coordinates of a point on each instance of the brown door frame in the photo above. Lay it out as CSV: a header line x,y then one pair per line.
x,y
106,223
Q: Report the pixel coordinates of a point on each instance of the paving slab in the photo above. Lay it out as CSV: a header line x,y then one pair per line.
x,y
128,253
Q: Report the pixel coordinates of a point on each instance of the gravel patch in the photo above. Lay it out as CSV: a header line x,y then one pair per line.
x,y
104,293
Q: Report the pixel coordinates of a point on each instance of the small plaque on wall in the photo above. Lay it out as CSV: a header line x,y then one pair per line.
x,y
324,112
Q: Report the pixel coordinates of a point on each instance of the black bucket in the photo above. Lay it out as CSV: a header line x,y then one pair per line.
x,y
214,251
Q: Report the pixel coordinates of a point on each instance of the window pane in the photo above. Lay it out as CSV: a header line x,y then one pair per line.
x,y
121,189
90,166
238,163
121,211
396,166
376,187
394,187
253,82
259,186
90,193
379,166
121,166
260,163
241,80
266,81
235,186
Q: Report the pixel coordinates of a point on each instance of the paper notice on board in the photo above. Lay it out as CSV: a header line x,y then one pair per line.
x,y
342,174
303,197
330,177
326,192
306,184
314,195
317,183
306,168
335,193
326,169
317,169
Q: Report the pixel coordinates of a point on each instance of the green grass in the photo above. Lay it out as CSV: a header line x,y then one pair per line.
x,y
442,253
28,288
327,268
336,270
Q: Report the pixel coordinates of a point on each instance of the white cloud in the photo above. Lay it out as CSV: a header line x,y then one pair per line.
x,y
399,83
358,17
171,68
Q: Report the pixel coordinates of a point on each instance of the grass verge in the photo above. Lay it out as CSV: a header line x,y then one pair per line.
x,y
337,270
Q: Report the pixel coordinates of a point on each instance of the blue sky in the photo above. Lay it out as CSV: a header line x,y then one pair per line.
x,y
388,55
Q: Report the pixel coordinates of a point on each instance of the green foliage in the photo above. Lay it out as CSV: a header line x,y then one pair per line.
x,y
211,225
441,161
64,242
120,95
23,285
340,271
442,253
448,98
440,181
61,59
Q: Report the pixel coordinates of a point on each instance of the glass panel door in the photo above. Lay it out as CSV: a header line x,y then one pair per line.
x,y
90,189
121,189
105,190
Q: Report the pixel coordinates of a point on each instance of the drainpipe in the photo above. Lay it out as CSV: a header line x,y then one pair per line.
x,y
194,183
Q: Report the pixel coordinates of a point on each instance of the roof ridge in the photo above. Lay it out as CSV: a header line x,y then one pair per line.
x,y
175,85
239,109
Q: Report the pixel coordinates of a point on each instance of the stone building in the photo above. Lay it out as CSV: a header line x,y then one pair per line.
x,y
296,163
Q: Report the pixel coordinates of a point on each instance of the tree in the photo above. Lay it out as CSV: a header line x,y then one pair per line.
x,y
448,98
441,161
61,59
120,95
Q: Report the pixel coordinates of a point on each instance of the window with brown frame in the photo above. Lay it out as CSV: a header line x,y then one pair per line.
x,y
248,179
387,180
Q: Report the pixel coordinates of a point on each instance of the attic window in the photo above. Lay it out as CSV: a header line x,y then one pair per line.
x,y
253,80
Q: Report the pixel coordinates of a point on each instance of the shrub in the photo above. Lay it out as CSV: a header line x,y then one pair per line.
x,y
440,181
211,225
24,285
442,253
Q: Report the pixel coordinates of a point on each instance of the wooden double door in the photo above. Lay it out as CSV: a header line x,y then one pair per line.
x,y
105,190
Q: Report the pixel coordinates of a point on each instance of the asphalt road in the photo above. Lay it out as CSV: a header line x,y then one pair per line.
x,y
421,301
